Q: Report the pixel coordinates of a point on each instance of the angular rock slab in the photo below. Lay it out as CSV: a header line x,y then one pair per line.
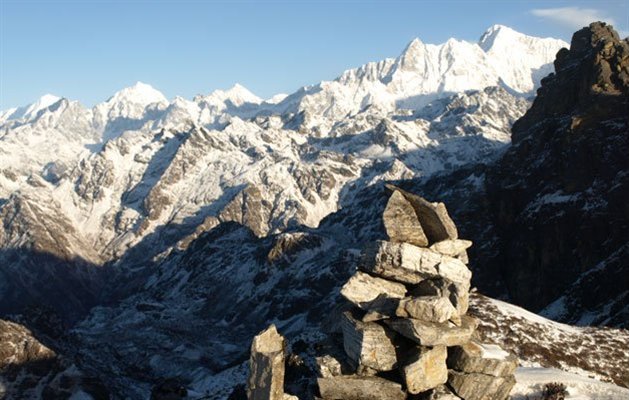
x,y
266,366
480,386
435,334
406,263
426,308
370,293
401,223
433,217
488,359
426,369
451,247
368,343
359,388
457,293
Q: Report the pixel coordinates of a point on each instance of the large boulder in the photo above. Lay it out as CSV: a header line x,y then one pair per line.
x,y
426,308
451,247
410,264
368,343
457,293
433,217
425,369
480,386
432,333
401,223
359,388
266,365
488,359
366,291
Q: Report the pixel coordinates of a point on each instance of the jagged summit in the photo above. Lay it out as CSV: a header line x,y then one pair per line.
x,y
496,32
29,111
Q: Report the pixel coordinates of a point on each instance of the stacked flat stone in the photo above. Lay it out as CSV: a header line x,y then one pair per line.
x,y
408,332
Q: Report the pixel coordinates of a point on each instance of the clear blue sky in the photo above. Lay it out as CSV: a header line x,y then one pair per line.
x,y
87,50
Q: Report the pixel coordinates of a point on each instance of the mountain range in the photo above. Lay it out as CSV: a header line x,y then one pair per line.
x,y
145,239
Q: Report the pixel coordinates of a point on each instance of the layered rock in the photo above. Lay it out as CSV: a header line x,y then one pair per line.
x,y
360,388
426,369
368,343
401,223
266,376
488,359
408,323
428,333
564,179
480,386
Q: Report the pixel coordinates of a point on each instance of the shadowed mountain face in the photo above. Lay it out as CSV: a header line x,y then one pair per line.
x,y
559,194
549,218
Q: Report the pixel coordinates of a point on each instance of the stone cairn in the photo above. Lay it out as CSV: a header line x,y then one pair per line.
x,y
408,334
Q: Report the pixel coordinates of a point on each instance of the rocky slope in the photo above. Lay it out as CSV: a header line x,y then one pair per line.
x,y
29,369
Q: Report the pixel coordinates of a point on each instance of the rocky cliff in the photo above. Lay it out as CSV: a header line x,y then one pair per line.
x,y
559,194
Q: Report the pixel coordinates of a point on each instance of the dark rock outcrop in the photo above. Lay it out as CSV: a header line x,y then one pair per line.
x,y
559,194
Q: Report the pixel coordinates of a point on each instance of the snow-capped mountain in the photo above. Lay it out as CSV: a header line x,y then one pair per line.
x,y
138,162
191,224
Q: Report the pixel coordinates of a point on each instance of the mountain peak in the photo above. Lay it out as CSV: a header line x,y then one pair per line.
x,y
414,46
30,110
47,100
139,93
240,92
495,33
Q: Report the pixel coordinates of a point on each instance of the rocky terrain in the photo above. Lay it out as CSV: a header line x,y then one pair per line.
x,y
166,234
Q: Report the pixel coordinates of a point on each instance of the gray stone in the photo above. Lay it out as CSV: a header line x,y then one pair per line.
x,y
451,247
434,334
433,217
266,366
457,293
401,223
384,312
359,388
371,293
431,287
480,386
406,263
463,257
441,393
488,359
426,308
368,343
460,298
426,369
328,366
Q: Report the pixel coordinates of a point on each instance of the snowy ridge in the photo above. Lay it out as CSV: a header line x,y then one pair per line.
x,y
520,60
137,162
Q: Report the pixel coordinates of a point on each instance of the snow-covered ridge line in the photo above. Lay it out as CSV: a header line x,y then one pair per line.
x,y
138,161
499,44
